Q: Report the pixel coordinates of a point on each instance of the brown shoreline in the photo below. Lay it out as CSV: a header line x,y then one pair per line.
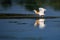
x,y
18,16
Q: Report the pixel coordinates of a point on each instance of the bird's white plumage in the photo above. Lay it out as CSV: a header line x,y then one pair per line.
x,y
41,11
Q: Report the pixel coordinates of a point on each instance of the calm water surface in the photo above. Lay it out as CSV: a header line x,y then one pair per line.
x,y
24,29
30,29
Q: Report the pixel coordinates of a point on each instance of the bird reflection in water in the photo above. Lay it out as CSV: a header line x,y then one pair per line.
x,y
40,23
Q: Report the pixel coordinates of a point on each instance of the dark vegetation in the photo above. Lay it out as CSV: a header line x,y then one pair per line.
x,y
32,4
29,5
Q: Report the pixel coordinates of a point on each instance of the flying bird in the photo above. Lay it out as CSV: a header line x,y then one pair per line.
x,y
40,12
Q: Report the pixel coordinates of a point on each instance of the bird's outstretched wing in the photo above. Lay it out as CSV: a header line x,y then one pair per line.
x,y
36,12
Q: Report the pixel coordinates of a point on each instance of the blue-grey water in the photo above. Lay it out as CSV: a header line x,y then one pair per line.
x,y
23,29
